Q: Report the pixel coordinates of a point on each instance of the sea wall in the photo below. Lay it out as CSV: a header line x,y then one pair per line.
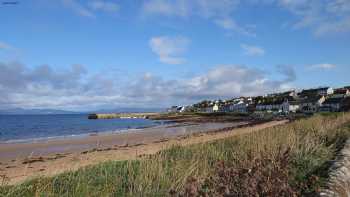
x,y
120,115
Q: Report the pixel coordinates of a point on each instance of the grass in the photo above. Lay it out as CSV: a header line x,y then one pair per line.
x,y
311,144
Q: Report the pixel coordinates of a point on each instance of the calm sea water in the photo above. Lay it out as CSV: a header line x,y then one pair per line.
x,y
15,128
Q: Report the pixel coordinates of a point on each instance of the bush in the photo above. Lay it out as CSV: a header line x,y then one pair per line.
x,y
263,176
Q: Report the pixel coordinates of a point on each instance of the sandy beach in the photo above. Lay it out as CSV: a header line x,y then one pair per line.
x,y
20,161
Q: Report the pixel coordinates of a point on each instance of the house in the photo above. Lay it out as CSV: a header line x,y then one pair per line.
x,y
290,106
172,109
237,106
342,92
311,104
270,104
212,108
176,109
324,91
332,104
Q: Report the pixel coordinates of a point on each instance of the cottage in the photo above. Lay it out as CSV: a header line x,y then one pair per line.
x,y
240,106
311,104
270,104
212,108
342,92
172,109
332,104
290,106
176,109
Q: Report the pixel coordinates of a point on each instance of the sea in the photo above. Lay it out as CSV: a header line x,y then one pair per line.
x,y
27,128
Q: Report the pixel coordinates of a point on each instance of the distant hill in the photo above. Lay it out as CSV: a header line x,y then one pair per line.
x,y
21,111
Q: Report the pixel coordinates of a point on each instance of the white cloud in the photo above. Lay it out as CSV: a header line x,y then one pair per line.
x,y
223,81
103,6
251,50
219,12
91,7
76,88
169,49
78,8
230,24
167,8
5,46
323,66
322,16
184,8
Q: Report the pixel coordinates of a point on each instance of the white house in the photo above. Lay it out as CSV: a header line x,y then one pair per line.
x,y
270,106
290,106
175,109
212,108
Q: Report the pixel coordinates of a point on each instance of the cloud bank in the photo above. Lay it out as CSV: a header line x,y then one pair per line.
x,y
323,17
77,89
219,12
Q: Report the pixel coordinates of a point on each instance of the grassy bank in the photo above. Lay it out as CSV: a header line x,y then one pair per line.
x,y
287,160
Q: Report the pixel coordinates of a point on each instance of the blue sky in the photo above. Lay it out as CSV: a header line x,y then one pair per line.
x,y
79,55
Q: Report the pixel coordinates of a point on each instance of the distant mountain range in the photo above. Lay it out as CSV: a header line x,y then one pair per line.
x,y
21,111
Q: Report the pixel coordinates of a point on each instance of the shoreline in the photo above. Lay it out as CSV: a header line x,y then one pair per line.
x,y
18,170
77,136
86,142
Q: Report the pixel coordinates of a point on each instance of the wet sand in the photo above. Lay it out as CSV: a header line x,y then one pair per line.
x,y
19,162
10,151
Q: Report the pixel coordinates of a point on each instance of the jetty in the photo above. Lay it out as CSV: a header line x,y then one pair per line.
x,y
120,115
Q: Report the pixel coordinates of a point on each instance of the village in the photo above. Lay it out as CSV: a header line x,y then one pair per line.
x,y
307,101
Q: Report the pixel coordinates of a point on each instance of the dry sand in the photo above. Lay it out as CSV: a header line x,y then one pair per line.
x,y
124,146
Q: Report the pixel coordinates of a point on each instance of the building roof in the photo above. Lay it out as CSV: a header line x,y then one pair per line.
x,y
333,100
341,91
314,91
296,102
276,100
311,99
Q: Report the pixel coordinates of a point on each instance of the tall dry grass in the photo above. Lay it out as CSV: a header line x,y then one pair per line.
x,y
339,181
311,144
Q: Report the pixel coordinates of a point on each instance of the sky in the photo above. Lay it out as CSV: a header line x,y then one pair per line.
x,y
103,54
